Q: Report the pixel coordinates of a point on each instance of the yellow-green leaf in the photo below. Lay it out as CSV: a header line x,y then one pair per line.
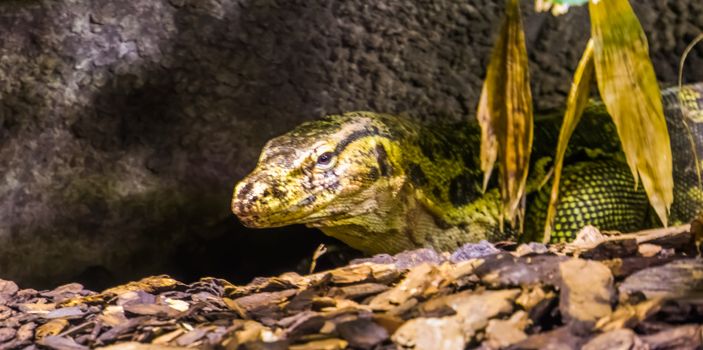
x,y
575,104
505,111
629,89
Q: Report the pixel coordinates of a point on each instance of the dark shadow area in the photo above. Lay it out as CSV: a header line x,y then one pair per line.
x,y
223,82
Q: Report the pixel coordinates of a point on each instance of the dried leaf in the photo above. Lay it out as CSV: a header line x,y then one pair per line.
x,y
630,92
505,112
489,143
575,104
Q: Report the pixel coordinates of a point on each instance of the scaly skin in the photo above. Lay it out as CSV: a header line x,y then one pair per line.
x,y
382,183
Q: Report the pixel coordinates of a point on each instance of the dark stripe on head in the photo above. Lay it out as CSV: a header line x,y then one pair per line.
x,y
358,134
382,158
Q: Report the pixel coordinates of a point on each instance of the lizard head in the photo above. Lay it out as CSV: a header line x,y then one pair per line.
x,y
316,173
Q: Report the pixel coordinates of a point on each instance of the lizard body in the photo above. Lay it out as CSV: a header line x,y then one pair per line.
x,y
382,183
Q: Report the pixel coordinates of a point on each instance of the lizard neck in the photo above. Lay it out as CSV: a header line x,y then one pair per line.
x,y
432,199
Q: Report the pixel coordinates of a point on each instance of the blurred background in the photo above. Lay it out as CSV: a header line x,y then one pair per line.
x,y
125,124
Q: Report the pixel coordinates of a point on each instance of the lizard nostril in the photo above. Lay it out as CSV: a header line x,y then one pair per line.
x,y
244,190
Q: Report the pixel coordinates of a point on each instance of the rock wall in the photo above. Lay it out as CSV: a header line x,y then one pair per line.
x,y
124,124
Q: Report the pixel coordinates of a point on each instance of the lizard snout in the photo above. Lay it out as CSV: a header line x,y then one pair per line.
x,y
253,201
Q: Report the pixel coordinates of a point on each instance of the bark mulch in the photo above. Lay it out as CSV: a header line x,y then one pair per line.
x,y
633,291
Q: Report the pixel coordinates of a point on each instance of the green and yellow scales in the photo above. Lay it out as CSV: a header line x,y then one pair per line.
x,y
383,183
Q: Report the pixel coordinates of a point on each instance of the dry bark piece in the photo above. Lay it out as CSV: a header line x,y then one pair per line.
x,y
66,313
629,265
325,344
26,332
612,249
473,251
139,346
681,337
649,250
192,336
473,310
61,343
678,278
7,334
430,334
161,311
366,272
503,333
151,284
53,327
620,339
422,280
36,308
357,290
412,258
505,270
7,288
168,337
586,292
560,338
627,315
362,333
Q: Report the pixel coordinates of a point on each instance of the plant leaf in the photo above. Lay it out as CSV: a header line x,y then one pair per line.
x,y
505,112
629,89
489,143
575,104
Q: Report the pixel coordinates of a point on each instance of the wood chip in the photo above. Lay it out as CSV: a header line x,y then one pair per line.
x,y
620,339
61,343
674,279
325,344
53,327
488,296
586,292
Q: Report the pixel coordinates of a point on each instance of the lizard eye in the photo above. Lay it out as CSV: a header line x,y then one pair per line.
x,y
325,159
